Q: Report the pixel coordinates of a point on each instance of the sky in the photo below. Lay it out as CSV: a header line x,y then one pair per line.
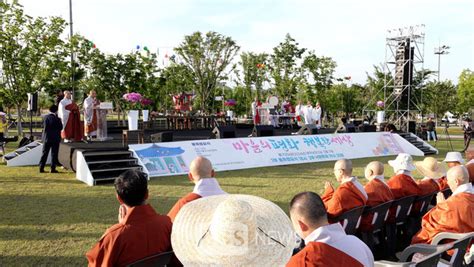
x,y
352,32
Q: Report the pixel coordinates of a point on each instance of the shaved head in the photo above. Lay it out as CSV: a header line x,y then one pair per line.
x,y
309,207
342,168
374,168
456,176
200,168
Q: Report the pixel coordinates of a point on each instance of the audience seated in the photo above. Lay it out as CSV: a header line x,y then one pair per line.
x,y
377,190
433,173
453,159
455,214
348,195
402,183
140,231
232,230
326,244
201,174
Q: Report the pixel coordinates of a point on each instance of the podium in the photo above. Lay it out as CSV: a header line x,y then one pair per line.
x,y
101,113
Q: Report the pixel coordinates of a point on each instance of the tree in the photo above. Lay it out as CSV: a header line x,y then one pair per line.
x,y
286,67
254,69
209,56
176,78
26,44
321,70
466,91
440,97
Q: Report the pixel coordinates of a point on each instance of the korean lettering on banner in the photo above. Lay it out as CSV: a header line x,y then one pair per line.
x,y
285,144
254,146
317,142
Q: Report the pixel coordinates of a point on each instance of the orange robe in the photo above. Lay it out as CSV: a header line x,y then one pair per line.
x,y
455,215
73,127
442,183
321,254
470,170
428,186
402,186
180,203
142,233
346,197
378,193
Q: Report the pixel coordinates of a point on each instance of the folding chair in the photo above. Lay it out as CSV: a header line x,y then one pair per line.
x,y
420,207
461,243
379,216
433,255
350,219
157,260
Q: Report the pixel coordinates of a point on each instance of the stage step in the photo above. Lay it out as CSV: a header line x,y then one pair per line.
x,y
419,143
105,165
27,155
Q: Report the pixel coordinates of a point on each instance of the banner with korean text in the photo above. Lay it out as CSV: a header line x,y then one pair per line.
x,y
173,158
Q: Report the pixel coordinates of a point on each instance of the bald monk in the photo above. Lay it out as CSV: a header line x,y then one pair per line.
x,y
326,244
455,214
377,191
348,195
402,183
201,174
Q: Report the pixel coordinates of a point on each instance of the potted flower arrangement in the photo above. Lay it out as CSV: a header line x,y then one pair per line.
x,y
144,103
230,103
380,111
132,100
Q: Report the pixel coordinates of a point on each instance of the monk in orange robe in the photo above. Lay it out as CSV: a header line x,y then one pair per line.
x,y
68,112
140,232
201,174
402,183
455,214
348,195
433,172
326,244
377,191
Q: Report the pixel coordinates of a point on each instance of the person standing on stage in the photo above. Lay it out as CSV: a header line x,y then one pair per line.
x,y
299,114
308,114
90,115
317,115
68,112
255,115
51,138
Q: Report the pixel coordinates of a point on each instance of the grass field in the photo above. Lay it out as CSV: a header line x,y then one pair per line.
x,y
53,219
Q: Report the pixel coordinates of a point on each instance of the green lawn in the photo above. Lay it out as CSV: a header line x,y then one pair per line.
x,y
53,219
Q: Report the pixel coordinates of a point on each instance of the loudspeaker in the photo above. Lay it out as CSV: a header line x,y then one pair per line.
x,y
162,137
412,127
308,129
263,130
221,132
368,128
32,102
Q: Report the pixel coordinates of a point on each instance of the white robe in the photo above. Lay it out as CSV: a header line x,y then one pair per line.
x,y
308,114
317,116
63,114
89,113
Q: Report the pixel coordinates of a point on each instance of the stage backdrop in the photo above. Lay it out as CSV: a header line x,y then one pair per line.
x,y
173,158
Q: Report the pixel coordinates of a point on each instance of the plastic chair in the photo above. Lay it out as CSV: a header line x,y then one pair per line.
x,y
413,223
400,209
350,219
460,246
380,215
158,260
433,255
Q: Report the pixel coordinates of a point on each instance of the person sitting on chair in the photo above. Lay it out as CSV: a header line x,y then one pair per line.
x,y
434,176
201,174
326,244
377,190
453,159
140,232
454,214
350,194
402,183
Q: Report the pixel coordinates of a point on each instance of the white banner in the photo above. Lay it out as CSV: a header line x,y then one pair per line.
x,y
173,158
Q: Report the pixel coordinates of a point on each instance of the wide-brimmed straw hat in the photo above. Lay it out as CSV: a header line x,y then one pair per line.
x,y
232,230
403,161
430,168
454,157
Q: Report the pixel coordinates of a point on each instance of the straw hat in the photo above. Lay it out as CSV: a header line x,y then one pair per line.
x,y
402,162
430,168
454,157
232,230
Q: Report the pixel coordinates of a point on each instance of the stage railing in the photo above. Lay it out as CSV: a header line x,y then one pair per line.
x,y
176,122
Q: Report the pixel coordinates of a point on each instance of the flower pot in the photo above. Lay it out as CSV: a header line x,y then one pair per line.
x,y
145,113
380,116
133,119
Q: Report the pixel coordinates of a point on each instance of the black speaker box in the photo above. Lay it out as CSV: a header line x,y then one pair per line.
x,y
162,137
221,132
263,130
32,102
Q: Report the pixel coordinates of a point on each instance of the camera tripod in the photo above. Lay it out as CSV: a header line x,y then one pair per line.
x,y
448,138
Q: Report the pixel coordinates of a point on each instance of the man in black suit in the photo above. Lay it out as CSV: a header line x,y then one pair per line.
x,y
51,138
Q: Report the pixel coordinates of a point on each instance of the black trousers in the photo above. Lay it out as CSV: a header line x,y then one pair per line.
x,y
54,147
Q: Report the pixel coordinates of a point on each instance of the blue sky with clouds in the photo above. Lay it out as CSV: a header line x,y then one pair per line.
x,y
351,32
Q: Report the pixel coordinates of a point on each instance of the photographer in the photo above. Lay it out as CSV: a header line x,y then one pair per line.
x,y
468,132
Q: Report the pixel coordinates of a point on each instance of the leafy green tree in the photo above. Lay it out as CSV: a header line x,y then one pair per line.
x,y
209,56
26,44
176,78
254,69
321,70
440,97
286,67
465,91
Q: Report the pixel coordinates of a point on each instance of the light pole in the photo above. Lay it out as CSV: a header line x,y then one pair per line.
x,y
442,50
72,47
